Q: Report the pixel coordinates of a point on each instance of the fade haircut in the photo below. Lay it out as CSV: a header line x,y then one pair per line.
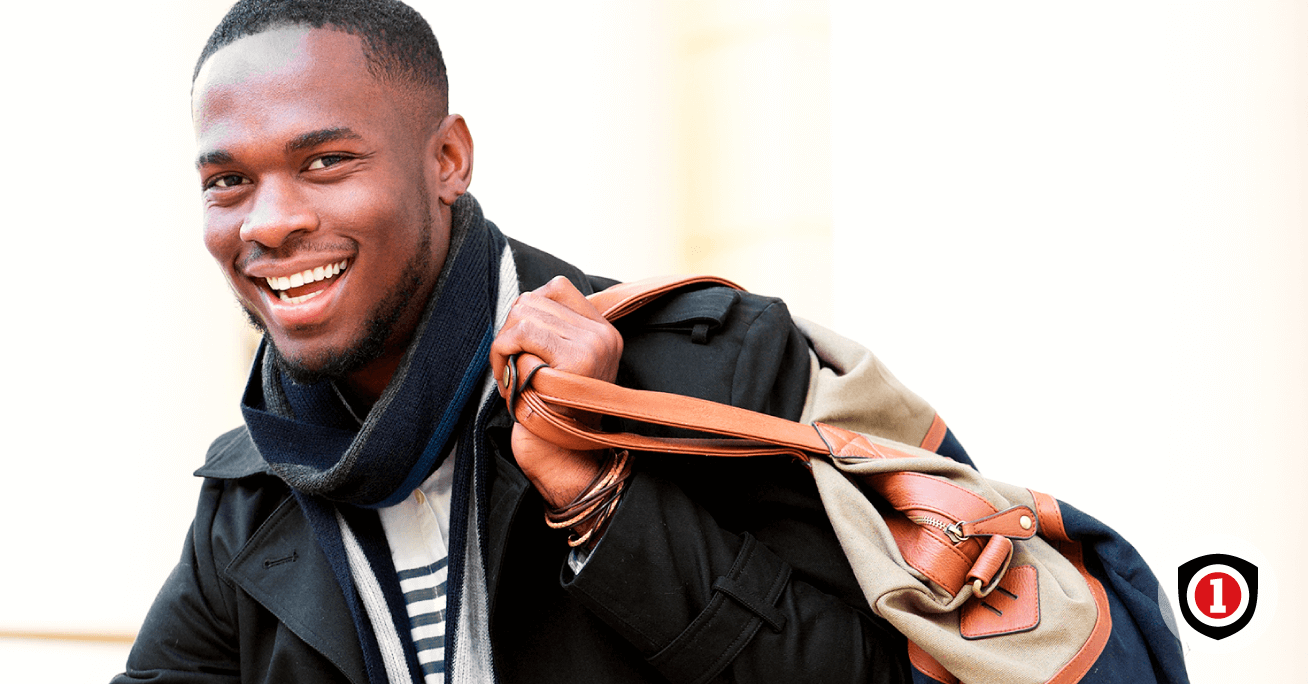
x,y
398,45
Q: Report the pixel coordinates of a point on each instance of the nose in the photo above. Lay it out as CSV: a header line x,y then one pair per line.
x,y
278,211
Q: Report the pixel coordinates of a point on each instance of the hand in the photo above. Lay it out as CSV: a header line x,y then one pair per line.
x,y
558,324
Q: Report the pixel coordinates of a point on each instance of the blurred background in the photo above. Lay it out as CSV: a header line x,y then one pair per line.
x,y
1079,230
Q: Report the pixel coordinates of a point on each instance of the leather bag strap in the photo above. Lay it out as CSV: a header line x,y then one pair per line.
x,y
748,433
544,399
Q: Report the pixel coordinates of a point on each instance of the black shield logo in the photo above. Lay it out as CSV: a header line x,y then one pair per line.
x,y
1218,594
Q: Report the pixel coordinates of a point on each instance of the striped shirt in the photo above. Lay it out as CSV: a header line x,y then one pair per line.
x,y
417,530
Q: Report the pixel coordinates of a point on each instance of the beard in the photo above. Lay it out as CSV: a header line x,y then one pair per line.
x,y
337,363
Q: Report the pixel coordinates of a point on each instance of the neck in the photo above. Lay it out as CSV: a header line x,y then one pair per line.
x,y
364,387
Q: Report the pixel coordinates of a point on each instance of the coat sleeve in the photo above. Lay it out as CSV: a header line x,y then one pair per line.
x,y
704,603
727,569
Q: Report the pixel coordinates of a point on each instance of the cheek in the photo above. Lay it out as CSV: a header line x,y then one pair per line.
x,y
222,237
376,215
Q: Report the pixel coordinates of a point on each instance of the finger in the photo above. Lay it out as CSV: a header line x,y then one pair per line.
x,y
558,318
502,348
561,290
543,327
561,336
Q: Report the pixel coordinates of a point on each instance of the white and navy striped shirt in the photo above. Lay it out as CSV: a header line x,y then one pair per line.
x,y
417,530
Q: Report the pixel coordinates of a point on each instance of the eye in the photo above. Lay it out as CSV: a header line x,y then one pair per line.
x,y
226,181
326,161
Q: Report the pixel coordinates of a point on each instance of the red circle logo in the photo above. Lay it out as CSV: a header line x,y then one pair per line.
x,y
1217,595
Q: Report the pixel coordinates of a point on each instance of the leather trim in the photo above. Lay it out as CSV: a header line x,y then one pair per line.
x,y
1050,516
931,553
924,663
847,444
935,435
1007,522
1013,607
1051,528
996,555
907,490
623,298
1089,653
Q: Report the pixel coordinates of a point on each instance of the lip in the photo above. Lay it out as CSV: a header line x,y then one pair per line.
x,y
286,267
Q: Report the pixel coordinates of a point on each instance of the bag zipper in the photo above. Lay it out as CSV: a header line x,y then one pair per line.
x,y
953,530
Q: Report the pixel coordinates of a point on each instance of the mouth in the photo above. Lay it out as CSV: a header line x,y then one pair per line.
x,y
297,288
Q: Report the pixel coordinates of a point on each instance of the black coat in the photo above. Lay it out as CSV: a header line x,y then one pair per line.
x,y
711,570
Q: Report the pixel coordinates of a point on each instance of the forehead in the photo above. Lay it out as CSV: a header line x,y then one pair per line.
x,y
281,82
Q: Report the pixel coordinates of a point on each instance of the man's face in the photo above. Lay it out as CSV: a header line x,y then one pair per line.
x,y
316,202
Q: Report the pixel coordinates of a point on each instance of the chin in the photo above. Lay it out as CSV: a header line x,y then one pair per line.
x,y
307,368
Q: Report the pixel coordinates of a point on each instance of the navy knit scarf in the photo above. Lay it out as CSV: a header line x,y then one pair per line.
x,y
341,471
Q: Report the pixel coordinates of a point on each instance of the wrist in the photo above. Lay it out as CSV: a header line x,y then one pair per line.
x,y
588,513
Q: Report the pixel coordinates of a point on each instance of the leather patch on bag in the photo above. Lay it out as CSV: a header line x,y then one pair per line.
x,y
1013,606
929,666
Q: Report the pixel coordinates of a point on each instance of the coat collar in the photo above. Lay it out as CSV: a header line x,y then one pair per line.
x,y
233,456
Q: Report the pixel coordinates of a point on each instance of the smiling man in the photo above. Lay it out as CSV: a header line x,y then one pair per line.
x,y
378,516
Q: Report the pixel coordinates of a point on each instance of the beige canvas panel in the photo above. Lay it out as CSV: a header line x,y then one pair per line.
x,y
857,391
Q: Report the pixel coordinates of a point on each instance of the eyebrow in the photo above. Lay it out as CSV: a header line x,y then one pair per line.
x,y
298,143
314,138
215,157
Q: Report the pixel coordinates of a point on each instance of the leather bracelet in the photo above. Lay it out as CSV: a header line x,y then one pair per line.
x,y
596,503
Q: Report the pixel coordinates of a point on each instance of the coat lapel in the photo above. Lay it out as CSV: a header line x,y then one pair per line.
x,y
283,569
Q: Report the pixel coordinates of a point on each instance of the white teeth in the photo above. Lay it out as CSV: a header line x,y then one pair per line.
x,y
296,300
312,275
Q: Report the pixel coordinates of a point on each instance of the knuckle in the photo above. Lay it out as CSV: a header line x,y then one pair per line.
x,y
527,326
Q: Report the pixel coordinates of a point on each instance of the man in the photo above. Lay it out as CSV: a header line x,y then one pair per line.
x,y
378,516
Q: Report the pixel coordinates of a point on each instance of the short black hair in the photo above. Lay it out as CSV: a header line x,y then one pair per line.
x,y
397,42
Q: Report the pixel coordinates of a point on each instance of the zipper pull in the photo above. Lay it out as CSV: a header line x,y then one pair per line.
x,y
1018,522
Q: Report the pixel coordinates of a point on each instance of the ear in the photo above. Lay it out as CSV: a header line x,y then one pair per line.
x,y
451,150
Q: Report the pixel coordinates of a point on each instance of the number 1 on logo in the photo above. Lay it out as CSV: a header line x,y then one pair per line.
x,y
1217,608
